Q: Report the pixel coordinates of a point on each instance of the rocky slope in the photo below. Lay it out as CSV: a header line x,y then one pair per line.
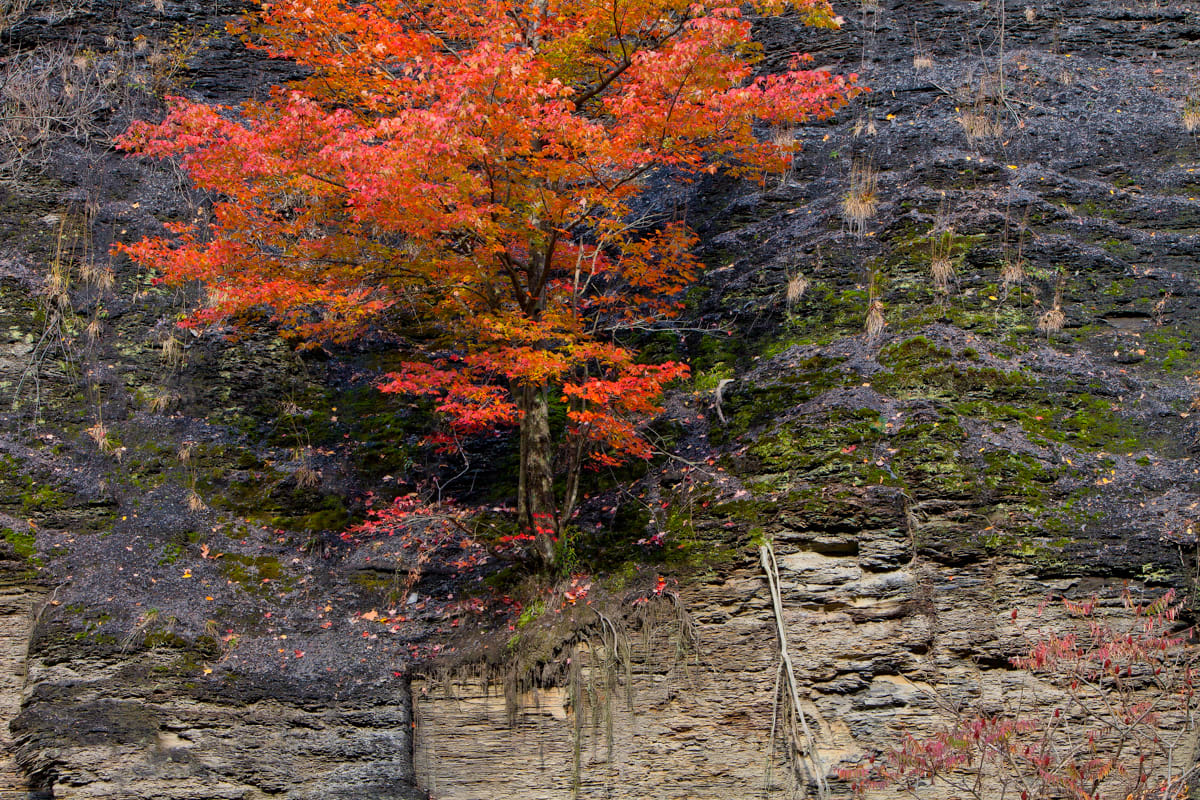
x,y
1021,426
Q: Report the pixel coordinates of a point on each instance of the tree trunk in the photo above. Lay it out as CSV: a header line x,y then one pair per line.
x,y
537,512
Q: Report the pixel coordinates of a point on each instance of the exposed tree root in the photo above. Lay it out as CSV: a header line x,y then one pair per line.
x,y
812,757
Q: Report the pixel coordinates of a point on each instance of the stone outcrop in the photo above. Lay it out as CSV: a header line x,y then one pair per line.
x,y
20,597
877,654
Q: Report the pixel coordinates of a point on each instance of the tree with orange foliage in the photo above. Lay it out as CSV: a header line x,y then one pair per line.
x,y
469,166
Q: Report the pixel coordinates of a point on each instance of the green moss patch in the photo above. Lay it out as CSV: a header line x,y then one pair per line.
x,y
255,574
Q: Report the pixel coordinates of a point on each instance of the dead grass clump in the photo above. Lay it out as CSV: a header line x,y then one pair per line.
x,y
45,95
194,502
864,125
160,400
941,269
1160,309
941,264
100,278
922,61
94,328
980,126
1052,321
172,352
307,477
99,434
860,202
1191,115
1013,273
797,285
875,322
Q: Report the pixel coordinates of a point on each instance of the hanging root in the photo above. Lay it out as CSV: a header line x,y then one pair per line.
x,y
812,757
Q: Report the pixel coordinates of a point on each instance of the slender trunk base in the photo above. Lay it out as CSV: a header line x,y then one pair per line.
x,y
537,511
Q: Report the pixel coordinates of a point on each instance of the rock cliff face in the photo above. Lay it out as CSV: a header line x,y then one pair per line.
x,y
1024,216
925,490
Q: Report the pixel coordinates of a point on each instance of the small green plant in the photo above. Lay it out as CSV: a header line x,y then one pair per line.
x,y
530,613
170,554
170,60
23,544
566,556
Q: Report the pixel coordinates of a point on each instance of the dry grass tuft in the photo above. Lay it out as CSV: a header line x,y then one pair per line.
x,y
1191,115
922,61
172,352
194,502
941,264
1160,309
797,285
307,477
1013,273
979,126
784,137
875,321
1052,321
160,400
941,270
100,278
99,434
860,202
864,125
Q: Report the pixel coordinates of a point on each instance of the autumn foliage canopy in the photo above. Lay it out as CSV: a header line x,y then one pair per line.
x,y
460,175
